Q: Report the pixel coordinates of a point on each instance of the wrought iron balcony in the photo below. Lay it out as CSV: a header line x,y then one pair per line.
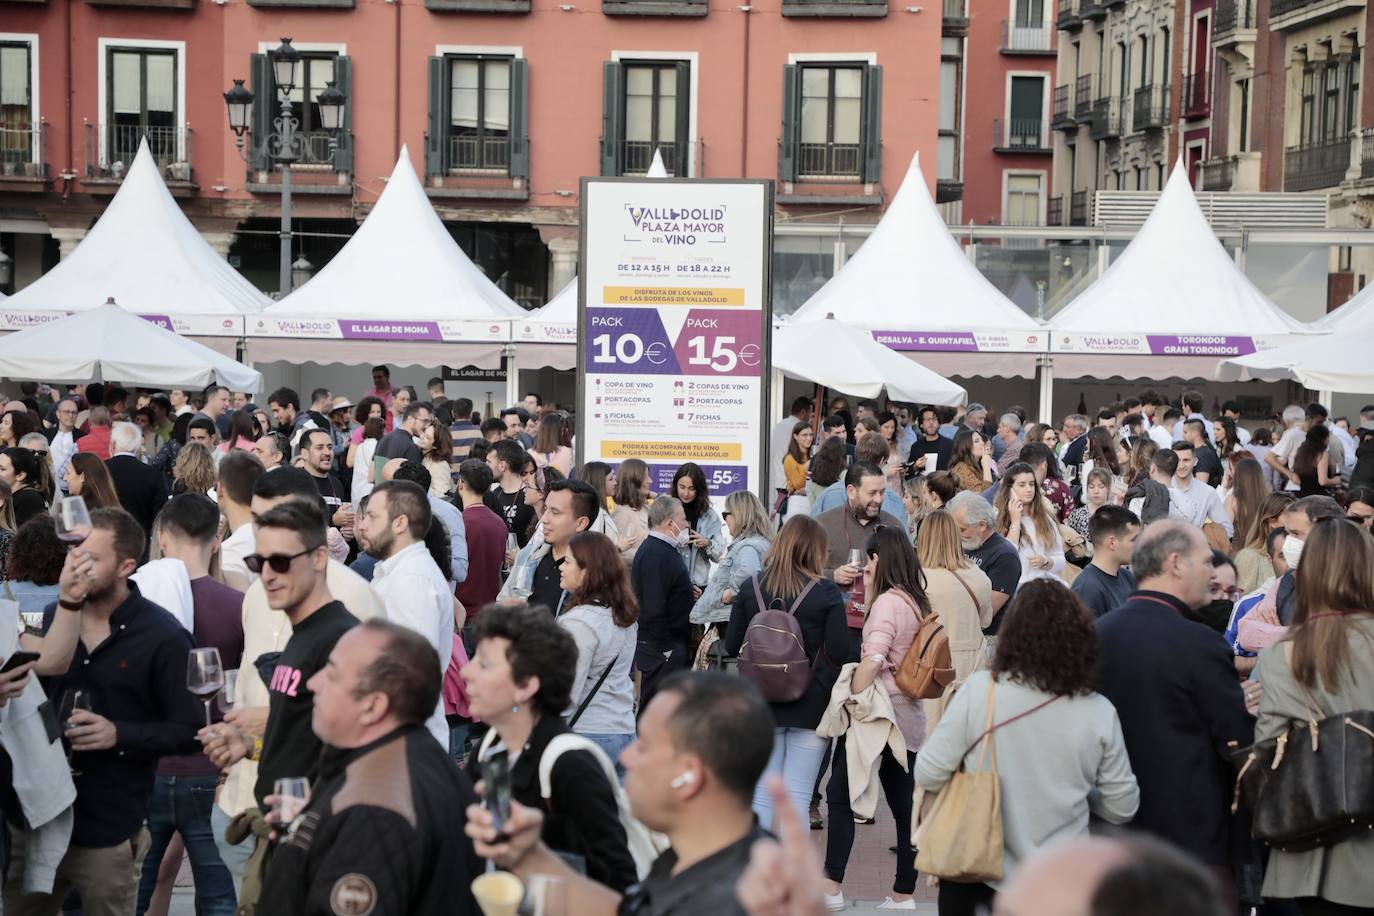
x,y
1316,165
637,155
1054,211
110,150
1149,108
23,151
471,153
1078,208
1019,135
1068,17
1217,174
1232,16
1026,39
822,160
1367,152
1063,109
1092,9
1107,118
1197,95
1083,98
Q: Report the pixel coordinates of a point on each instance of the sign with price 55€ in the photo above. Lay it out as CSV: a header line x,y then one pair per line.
x,y
673,327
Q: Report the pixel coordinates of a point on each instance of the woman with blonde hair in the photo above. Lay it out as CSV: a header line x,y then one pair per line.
x,y
1023,517
194,471
1253,566
1324,666
750,536
960,595
1248,490
631,514
792,571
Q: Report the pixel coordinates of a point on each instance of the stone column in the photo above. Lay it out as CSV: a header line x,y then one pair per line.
x,y
562,264
220,241
67,240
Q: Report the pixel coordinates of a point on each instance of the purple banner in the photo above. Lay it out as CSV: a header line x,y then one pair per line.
x,y
389,330
949,341
628,340
719,342
1200,345
162,321
721,479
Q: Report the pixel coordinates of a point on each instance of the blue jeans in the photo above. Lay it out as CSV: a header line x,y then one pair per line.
x,y
235,857
613,745
797,755
181,804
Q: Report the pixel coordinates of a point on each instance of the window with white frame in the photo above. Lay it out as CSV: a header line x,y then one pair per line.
x,y
1024,193
16,102
142,103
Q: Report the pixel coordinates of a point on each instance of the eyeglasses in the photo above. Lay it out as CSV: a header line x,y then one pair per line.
x,y
279,562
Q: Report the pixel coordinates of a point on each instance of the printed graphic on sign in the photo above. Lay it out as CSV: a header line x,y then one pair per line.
x,y
629,340
719,343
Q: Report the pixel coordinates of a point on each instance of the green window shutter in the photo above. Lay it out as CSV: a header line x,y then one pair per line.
x,y
791,123
519,118
263,108
612,125
343,81
436,139
873,125
682,140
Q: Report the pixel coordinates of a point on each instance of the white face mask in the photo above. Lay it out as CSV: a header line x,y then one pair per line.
x,y
682,535
1292,550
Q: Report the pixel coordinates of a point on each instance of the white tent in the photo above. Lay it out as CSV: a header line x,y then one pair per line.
x,y
108,343
1358,311
1337,361
831,353
144,253
915,289
400,291
1169,305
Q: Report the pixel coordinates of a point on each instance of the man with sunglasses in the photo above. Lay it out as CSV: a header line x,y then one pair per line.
x,y
267,630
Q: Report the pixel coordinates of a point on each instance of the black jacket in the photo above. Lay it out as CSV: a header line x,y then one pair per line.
x,y
943,447
384,826
825,635
664,590
141,489
1182,712
581,818
1073,454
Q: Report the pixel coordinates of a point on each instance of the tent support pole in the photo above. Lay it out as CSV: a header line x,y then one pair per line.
x,y
1325,398
1045,374
512,375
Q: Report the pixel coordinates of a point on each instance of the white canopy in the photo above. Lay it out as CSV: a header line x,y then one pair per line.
x,y
831,353
401,280
546,336
144,253
1174,298
1358,311
108,343
916,290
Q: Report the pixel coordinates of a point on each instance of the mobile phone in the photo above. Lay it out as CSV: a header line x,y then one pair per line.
x,y
20,657
496,799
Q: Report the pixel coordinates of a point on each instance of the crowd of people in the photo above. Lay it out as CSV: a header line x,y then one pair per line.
x,y
658,691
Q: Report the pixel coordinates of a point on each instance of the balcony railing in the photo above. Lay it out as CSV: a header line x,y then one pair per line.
x,y
1026,39
1148,108
1279,8
1197,95
1107,117
1083,98
471,153
817,160
1367,152
1068,17
637,155
1092,9
1232,16
1316,165
1217,174
1078,208
23,151
1054,211
1019,134
1063,114
110,150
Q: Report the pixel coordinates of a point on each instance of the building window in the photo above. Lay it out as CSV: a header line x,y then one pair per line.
x,y
1030,14
1027,111
832,120
1023,200
142,95
16,103
1352,89
655,117
1307,119
317,147
1244,139
477,115
316,72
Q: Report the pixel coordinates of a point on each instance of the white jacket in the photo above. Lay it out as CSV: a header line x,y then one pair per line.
x,y
865,720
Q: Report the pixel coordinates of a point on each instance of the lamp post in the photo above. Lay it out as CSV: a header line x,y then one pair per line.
x,y
284,144
6,266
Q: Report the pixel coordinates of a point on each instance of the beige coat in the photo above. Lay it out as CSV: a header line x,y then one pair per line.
x,y
865,720
964,620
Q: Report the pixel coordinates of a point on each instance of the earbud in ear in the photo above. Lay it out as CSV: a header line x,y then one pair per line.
x,y
683,779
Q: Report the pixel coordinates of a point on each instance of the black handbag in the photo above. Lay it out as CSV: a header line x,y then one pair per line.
x,y
1313,785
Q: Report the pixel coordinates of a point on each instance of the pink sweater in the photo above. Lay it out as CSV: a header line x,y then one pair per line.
x,y
889,630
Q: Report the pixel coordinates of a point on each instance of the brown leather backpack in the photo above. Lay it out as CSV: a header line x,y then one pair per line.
x,y
928,668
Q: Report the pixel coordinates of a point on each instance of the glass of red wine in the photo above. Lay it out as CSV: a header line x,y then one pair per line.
x,y
73,520
205,676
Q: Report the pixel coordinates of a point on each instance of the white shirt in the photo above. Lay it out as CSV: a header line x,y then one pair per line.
x,y
1199,503
452,518
60,452
232,551
1161,436
1348,448
777,449
1287,450
1242,436
417,595
1206,428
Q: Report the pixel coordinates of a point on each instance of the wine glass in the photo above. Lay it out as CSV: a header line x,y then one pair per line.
x,y
73,520
73,700
204,676
226,696
292,793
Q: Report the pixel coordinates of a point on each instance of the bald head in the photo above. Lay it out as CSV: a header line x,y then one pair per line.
x,y
1174,558
391,467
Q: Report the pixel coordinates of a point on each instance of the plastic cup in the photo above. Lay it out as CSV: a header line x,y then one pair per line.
x,y
498,893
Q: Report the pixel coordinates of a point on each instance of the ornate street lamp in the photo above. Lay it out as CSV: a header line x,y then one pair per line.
x,y
301,272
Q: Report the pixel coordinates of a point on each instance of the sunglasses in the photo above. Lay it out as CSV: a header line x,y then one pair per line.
x,y
725,515
279,562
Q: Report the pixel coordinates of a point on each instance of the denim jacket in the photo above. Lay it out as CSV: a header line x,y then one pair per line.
x,y
742,560
697,559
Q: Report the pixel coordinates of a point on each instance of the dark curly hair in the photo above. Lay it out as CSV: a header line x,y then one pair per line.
x,y
37,555
1047,641
538,646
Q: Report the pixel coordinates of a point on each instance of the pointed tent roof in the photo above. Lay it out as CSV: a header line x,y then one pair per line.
x,y
1175,278
1357,312
108,343
656,168
146,254
401,262
1329,362
911,276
